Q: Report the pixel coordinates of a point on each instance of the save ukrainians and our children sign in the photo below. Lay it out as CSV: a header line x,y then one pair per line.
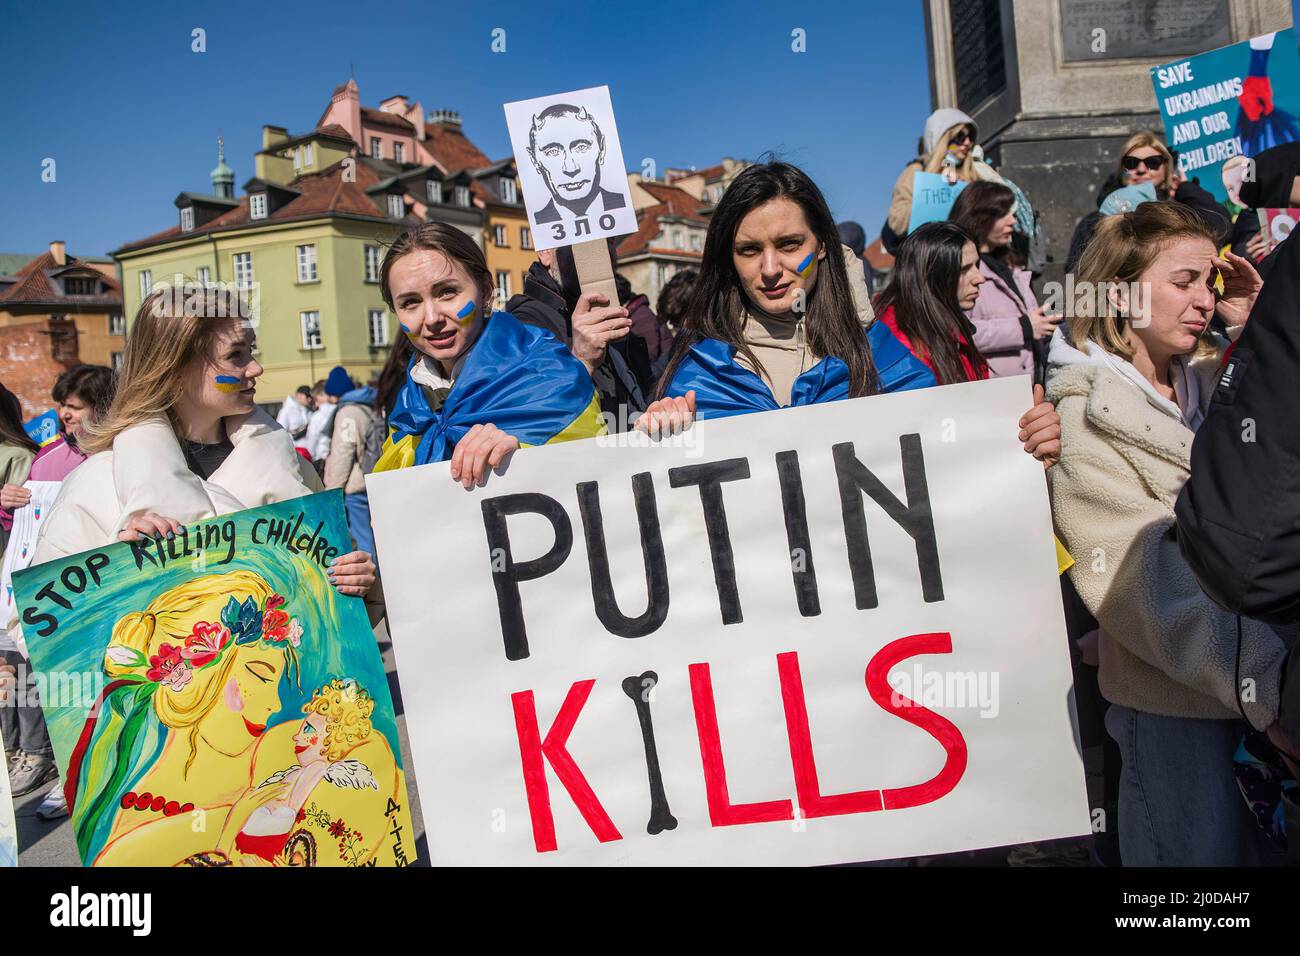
x,y
807,636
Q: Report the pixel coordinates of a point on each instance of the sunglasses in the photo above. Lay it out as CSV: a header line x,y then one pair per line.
x,y
1152,163
960,139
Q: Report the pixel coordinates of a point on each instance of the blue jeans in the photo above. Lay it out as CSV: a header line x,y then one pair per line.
x,y
358,511
1179,804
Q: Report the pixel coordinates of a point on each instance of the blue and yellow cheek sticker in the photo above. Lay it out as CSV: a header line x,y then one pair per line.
x,y
466,315
411,336
227,384
805,268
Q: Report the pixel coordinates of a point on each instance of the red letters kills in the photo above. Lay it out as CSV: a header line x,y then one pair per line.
x,y
536,752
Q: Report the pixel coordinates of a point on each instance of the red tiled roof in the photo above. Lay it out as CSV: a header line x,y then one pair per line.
x,y
34,284
876,255
672,202
713,172
452,149
322,193
335,130
383,118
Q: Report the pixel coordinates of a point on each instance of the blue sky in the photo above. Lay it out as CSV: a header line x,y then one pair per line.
x,y
115,95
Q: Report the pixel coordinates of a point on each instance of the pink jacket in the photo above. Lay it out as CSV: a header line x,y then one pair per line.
x,y
998,333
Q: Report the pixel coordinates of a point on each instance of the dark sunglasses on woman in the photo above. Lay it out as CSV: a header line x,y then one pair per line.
x,y
960,138
1152,163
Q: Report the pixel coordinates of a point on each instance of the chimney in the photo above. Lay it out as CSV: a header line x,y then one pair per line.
x,y
272,135
57,251
448,119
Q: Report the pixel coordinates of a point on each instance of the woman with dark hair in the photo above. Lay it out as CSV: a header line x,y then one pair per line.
x,y
16,452
478,383
1010,326
936,279
773,323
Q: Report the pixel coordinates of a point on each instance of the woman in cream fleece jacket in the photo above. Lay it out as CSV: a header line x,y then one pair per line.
x,y
1130,396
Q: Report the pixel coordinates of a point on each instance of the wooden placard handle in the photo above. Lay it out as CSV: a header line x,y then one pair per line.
x,y
595,270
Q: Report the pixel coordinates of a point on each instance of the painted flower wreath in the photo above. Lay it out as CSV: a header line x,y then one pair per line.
x,y
241,624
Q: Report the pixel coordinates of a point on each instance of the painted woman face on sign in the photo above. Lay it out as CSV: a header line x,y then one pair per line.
x,y
571,167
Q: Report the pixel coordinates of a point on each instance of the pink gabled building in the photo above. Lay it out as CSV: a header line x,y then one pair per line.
x,y
400,131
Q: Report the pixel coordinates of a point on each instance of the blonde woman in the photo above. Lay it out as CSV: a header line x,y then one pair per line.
x,y
1146,159
948,148
1131,386
184,439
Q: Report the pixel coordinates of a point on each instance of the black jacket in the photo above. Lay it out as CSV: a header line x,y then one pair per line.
x,y
1239,512
625,378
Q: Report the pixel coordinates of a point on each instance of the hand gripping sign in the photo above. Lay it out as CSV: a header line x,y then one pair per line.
x,y
812,636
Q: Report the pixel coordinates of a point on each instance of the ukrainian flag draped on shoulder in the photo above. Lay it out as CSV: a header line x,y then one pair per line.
x,y
518,377
723,387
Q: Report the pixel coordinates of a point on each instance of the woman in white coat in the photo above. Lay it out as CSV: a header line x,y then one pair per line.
x,y
1131,379
184,439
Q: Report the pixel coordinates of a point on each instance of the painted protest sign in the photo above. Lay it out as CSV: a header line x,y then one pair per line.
x,y
20,549
806,636
1277,224
1235,101
570,164
8,831
213,700
932,198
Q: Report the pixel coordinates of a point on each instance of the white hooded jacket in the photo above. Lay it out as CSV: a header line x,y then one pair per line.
x,y
146,471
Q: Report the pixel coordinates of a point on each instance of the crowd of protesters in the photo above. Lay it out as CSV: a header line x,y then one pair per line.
x,y
1123,414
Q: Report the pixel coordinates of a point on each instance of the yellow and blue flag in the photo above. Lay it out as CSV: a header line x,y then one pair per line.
x,y
518,377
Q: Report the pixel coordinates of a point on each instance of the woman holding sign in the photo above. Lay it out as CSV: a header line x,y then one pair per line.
x,y
480,383
772,323
184,439
1184,677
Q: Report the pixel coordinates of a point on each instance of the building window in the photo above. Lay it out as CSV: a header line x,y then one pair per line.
x,y
257,205
372,263
243,269
296,155
374,147
661,275
146,282
695,242
396,205
462,195
499,236
378,328
677,239
310,323
307,156
433,190
503,284
115,359
187,218
116,325
307,263
525,238
79,285
509,193
205,276
399,153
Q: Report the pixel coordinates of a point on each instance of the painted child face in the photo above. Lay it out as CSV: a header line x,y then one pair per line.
x,y
437,304
226,384
309,741
776,257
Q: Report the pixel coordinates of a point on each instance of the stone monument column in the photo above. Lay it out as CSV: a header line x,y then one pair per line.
x,y
1057,86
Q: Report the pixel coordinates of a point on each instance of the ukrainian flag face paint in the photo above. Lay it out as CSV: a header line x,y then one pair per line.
x,y
466,315
227,384
411,336
805,268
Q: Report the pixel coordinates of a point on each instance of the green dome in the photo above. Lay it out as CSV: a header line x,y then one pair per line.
x,y
223,175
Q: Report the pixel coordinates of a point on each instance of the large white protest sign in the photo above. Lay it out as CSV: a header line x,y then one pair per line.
x,y
805,636
571,167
